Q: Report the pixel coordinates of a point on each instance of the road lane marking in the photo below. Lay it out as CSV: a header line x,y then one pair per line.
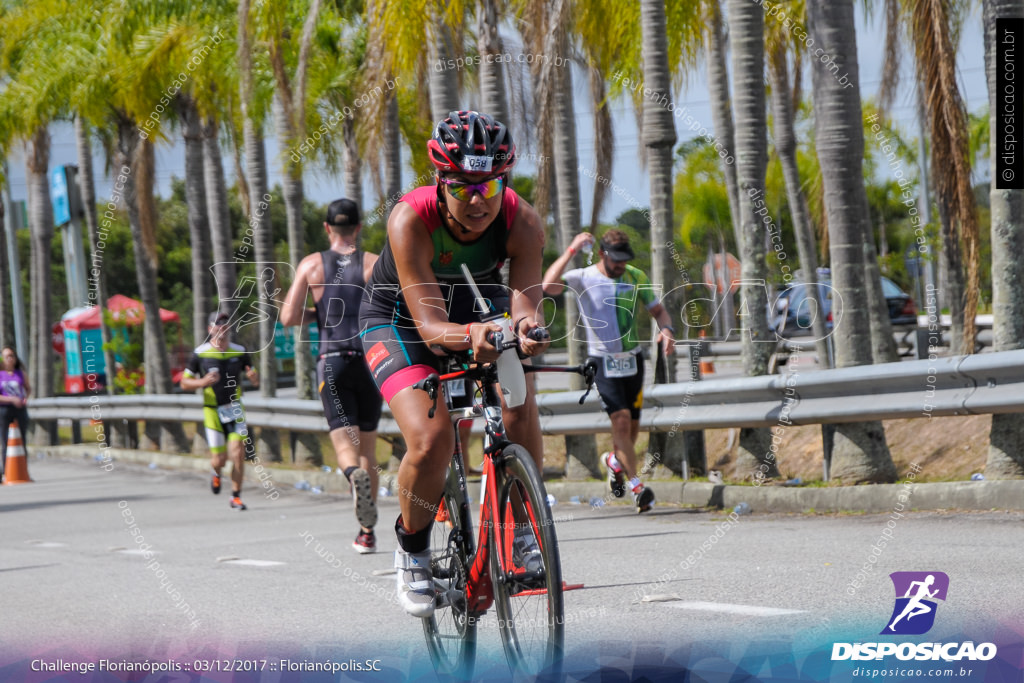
x,y
746,610
46,544
252,563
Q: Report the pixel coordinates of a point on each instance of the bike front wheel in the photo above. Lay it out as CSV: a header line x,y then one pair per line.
x,y
451,630
526,570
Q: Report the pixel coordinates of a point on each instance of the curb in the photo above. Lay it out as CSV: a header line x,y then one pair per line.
x,y
1007,494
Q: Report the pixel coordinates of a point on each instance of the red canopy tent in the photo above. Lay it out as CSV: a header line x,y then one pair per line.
x,y
82,345
122,308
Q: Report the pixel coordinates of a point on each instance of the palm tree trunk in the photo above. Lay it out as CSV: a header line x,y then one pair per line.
x,y
259,223
134,162
785,146
1005,452
40,217
493,97
746,31
305,446
221,233
353,164
953,280
721,110
604,154
444,84
198,226
6,319
98,276
883,346
392,154
659,137
860,452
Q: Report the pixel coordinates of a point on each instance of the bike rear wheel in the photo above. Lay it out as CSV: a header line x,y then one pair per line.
x,y
451,630
528,598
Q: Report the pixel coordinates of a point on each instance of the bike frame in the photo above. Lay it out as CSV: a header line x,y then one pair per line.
x,y
479,587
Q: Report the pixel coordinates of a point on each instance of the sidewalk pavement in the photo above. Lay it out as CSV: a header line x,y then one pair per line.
x,y
960,495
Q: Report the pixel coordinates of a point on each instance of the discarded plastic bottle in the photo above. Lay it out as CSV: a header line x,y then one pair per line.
x,y
977,476
316,490
383,492
302,485
597,502
575,500
327,469
552,501
742,509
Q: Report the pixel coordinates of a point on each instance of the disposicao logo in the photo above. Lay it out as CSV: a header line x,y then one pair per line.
x,y
914,614
916,593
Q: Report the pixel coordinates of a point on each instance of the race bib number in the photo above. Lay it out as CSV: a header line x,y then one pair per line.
x,y
620,364
227,413
476,164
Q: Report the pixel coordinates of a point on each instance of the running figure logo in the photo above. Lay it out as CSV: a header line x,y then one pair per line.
x,y
916,592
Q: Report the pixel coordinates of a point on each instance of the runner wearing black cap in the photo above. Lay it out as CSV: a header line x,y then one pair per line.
x,y
217,367
609,292
351,402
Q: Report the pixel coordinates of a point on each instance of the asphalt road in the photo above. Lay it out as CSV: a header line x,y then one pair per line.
x,y
281,580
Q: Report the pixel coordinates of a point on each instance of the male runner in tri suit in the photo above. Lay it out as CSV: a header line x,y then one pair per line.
x,y
609,293
217,368
418,298
351,401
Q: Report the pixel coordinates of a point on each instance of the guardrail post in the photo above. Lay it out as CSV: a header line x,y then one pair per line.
x,y
172,438
150,440
76,431
122,433
268,445
828,432
43,433
695,460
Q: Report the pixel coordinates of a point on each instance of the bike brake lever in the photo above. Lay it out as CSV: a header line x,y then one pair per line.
x,y
429,384
589,372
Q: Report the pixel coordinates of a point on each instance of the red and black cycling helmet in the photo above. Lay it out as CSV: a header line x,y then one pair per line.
x,y
471,142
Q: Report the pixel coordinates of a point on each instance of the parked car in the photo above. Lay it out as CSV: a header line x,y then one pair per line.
x,y
793,311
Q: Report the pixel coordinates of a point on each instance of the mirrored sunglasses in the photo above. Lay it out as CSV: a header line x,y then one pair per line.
x,y
465,191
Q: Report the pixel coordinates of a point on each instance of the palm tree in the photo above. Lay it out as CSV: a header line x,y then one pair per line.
x,y
860,452
746,28
785,145
1005,458
291,129
493,96
40,221
99,277
198,225
933,27
259,218
221,232
721,110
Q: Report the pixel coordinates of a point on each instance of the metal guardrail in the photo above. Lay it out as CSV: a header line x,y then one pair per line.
x,y
960,385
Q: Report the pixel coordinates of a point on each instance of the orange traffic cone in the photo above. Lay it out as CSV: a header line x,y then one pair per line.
x,y
16,471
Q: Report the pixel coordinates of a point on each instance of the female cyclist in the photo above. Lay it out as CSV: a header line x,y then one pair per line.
x,y
417,298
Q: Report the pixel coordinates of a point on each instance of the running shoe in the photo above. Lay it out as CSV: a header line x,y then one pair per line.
x,y
237,504
644,500
365,542
415,587
526,551
362,497
215,483
616,476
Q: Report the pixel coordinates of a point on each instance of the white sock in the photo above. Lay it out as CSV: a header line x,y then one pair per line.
x,y
635,484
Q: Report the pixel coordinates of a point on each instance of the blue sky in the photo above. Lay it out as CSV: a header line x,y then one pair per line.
x,y
631,187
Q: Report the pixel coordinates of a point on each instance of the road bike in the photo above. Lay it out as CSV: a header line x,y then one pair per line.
x,y
514,563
